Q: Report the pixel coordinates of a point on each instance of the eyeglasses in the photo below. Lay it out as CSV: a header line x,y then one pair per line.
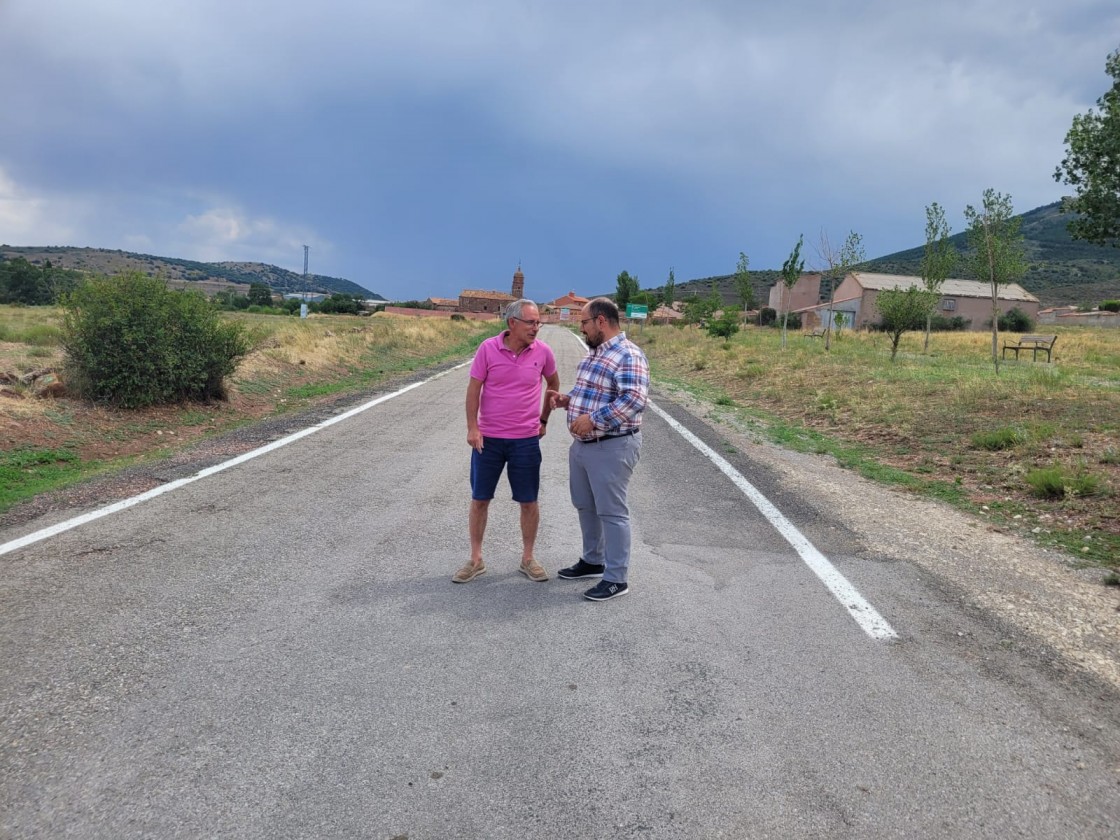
x,y
530,323
585,320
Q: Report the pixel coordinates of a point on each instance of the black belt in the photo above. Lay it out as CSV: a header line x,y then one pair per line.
x,y
611,437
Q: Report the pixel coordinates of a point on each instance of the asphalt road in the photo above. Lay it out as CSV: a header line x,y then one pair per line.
x,y
276,650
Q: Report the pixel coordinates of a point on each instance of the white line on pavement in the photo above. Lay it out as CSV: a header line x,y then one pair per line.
x,y
866,616
54,530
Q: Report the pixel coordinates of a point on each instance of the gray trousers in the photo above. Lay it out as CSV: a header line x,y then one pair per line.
x,y
598,478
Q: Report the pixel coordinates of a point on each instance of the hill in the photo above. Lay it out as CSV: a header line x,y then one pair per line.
x,y
209,277
1062,271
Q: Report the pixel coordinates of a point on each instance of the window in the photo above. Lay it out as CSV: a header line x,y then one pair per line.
x,y
948,304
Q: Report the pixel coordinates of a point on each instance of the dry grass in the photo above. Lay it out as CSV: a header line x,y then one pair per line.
x,y
293,364
915,422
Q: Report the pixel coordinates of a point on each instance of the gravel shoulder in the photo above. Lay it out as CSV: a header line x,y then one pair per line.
x,y
1039,592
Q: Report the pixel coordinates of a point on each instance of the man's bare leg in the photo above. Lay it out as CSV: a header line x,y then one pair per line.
x,y
530,521
479,512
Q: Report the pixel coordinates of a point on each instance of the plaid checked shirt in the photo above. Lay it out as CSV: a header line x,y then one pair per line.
x,y
612,385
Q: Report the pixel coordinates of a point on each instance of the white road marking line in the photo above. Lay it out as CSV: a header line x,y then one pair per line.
x,y
865,615
54,530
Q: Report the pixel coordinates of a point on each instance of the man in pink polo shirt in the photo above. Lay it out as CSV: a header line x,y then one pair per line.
x,y
505,422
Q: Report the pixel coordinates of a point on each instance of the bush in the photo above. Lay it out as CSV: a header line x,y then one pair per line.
x,y
1015,320
939,323
1048,483
767,315
1109,306
998,439
793,322
1053,483
132,342
726,326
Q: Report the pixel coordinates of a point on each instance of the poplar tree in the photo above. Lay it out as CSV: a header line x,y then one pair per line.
x,y
743,283
791,273
996,250
837,265
939,259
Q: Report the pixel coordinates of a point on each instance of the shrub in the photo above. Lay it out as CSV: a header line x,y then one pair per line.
x,y
997,439
1047,483
1015,320
1110,306
1053,483
767,315
793,322
939,323
724,327
132,342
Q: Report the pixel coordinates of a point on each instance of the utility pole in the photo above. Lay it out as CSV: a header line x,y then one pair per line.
x,y
306,288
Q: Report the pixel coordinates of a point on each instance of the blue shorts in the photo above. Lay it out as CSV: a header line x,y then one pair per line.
x,y
521,458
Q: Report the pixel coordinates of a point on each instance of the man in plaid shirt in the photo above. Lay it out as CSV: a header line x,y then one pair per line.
x,y
605,418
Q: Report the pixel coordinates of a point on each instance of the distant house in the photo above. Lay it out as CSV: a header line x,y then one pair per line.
x,y
806,293
310,297
667,314
1093,318
476,300
444,304
569,301
564,308
856,294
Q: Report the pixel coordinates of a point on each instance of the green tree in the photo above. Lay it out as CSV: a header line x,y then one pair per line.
x,y
699,310
743,284
791,273
260,294
1092,166
670,288
903,310
627,287
939,259
726,325
996,250
837,264
22,282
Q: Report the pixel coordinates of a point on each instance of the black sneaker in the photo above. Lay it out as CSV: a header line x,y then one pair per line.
x,y
582,570
604,590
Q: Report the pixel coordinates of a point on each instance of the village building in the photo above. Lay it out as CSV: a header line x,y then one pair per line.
x,y
475,300
564,308
667,314
444,304
854,300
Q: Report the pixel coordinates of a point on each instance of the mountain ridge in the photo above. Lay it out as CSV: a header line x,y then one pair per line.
x,y
211,276
1061,271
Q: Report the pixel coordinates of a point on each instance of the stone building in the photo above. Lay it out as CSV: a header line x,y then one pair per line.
x,y
476,300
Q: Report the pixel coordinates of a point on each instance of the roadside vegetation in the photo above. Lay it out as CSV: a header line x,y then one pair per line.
x,y
1034,450
49,442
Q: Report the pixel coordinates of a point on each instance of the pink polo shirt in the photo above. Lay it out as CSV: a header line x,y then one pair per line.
x,y
510,405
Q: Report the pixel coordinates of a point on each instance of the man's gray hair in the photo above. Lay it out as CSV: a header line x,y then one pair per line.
x,y
513,310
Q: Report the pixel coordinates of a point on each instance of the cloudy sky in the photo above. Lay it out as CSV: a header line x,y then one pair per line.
x,y
420,147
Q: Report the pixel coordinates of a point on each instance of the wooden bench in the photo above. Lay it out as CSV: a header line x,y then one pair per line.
x,y
816,333
1035,343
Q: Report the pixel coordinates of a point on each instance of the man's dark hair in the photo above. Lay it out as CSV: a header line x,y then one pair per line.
x,y
605,307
